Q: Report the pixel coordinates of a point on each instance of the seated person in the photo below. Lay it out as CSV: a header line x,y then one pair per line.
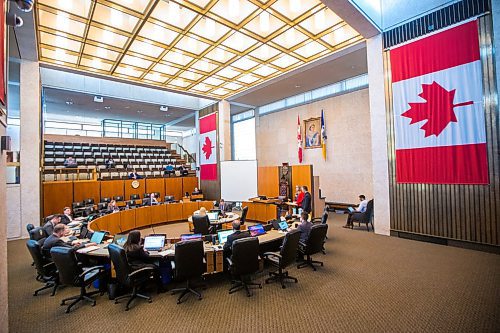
x,y
196,191
66,217
55,240
153,199
358,213
304,227
113,207
50,225
237,234
110,163
70,162
134,175
182,170
223,206
138,257
169,169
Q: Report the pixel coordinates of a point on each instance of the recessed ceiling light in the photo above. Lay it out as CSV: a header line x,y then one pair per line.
x,y
107,107
98,99
139,111
127,107
164,108
297,86
69,102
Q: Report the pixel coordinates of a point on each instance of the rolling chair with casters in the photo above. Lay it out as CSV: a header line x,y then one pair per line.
x,y
284,258
46,270
365,217
314,244
189,264
201,224
322,220
244,261
128,278
30,227
38,234
244,215
72,273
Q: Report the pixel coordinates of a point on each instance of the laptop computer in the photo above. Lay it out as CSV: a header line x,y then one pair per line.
x,y
185,237
256,230
154,243
222,235
213,216
98,236
120,240
283,226
351,210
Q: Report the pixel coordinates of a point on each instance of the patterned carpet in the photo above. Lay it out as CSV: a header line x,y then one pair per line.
x,y
369,283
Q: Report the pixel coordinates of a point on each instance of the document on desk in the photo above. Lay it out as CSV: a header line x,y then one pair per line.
x,y
88,249
166,252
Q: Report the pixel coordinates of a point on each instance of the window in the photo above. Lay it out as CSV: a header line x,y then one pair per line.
x,y
244,139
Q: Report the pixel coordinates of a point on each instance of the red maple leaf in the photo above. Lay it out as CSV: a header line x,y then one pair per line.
x,y
437,110
207,147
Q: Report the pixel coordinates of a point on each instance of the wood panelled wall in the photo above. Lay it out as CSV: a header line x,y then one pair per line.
x,y
268,181
452,214
57,195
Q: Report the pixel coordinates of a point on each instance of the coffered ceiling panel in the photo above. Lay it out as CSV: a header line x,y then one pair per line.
x,y
214,48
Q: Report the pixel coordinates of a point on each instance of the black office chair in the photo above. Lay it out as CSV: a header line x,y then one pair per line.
x,y
134,197
284,258
201,224
322,220
77,204
88,202
72,273
365,217
30,227
128,278
131,203
243,217
106,200
38,234
314,244
189,264
118,198
169,198
244,261
146,195
46,269
88,211
101,206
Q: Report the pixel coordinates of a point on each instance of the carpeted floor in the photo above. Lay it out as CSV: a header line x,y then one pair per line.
x,y
369,283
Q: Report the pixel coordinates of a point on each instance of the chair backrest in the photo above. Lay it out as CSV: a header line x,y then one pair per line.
x,y
289,248
37,233
77,204
147,195
118,198
106,200
201,224
244,214
102,206
120,262
245,256
189,259
314,243
134,196
29,227
368,212
324,218
89,201
36,254
67,265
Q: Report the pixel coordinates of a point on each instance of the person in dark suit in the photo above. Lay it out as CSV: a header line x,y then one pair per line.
x,y
49,226
66,217
223,206
304,227
55,240
307,201
237,234
196,191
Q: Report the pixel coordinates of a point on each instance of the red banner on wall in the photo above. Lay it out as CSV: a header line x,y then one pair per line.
x,y
208,147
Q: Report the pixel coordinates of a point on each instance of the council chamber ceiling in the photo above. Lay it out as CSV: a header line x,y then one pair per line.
x,y
213,48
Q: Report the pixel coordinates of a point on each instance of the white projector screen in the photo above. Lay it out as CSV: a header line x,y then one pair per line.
x,y
238,180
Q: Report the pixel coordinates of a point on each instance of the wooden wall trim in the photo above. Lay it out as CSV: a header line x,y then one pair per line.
x,y
97,140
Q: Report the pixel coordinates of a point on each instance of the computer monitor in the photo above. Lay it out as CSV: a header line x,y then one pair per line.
x,y
120,240
256,230
97,237
213,216
154,243
186,237
283,225
222,235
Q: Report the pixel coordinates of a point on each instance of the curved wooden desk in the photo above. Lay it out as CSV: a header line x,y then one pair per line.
x,y
127,220
230,218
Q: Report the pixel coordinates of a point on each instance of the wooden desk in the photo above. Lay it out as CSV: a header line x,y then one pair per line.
x,y
261,210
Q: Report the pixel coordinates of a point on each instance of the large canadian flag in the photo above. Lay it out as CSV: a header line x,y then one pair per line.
x,y
438,109
208,147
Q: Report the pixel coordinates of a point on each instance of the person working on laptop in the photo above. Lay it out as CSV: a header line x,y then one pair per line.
x,y
113,207
50,225
55,240
153,200
66,218
356,213
237,234
304,227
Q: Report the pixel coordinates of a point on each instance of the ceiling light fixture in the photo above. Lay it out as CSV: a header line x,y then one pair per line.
x,y
96,63
98,99
210,26
116,17
174,12
319,19
60,54
163,108
102,53
234,7
264,21
290,36
108,37
107,107
295,6
62,21
69,102
139,111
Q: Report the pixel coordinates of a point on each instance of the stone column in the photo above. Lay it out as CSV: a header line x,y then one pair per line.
x,y
380,168
224,130
30,144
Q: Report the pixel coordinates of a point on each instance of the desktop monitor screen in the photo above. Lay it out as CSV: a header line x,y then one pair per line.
x,y
186,237
120,240
154,243
222,235
256,230
283,225
213,216
97,237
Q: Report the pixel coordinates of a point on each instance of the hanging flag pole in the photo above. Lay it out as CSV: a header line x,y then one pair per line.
x,y
323,134
299,140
